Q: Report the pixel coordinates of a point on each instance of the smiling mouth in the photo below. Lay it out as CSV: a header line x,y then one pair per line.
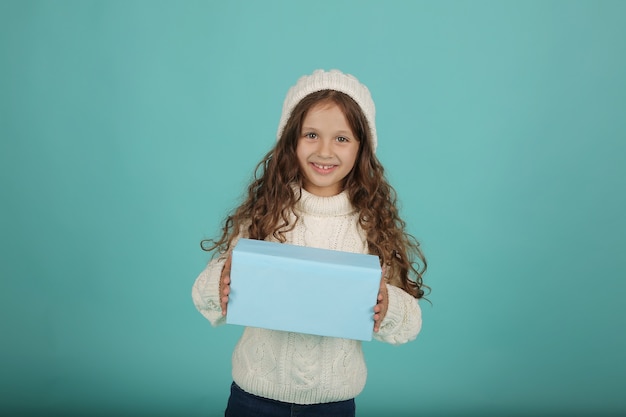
x,y
323,168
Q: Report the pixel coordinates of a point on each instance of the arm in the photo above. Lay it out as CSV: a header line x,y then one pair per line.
x,y
206,292
402,320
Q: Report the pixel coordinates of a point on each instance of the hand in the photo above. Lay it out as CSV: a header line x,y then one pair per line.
x,y
380,310
225,284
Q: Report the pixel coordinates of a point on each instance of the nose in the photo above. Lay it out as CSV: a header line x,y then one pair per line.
x,y
324,147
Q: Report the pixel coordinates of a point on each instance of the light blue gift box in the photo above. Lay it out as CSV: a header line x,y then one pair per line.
x,y
306,290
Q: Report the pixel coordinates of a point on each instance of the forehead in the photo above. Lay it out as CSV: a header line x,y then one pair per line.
x,y
327,111
329,118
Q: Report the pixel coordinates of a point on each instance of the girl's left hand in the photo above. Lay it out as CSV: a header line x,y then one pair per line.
x,y
380,310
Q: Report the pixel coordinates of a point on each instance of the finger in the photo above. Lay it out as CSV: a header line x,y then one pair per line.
x,y
224,304
225,287
225,290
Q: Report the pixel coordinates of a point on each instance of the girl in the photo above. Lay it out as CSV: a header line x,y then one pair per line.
x,y
320,186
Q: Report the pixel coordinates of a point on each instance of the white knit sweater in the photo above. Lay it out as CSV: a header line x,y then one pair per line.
x,y
300,368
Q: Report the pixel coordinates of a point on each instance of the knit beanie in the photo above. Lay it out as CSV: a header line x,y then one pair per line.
x,y
330,80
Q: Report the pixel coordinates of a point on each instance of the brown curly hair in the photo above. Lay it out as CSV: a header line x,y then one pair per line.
x,y
270,200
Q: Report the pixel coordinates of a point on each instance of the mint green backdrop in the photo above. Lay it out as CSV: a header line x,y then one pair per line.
x,y
129,128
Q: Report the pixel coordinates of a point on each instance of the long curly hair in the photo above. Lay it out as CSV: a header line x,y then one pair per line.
x,y
268,209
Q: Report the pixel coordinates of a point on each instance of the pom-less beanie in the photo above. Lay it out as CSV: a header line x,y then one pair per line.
x,y
330,80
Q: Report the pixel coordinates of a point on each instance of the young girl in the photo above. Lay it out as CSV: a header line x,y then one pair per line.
x,y
320,186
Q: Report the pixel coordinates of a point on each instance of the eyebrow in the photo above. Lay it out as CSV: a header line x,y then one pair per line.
x,y
339,132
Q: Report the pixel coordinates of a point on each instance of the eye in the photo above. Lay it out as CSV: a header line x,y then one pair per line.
x,y
342,139
310,135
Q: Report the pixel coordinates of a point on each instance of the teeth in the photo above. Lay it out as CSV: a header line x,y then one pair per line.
x,y
324,166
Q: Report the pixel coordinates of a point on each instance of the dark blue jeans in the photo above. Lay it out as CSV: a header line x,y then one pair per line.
x,y
243,404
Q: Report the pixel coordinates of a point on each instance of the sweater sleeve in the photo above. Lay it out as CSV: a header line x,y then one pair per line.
x,y
205,292
403,320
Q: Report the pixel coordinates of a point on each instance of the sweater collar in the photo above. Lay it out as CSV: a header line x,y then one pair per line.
x,y
336,205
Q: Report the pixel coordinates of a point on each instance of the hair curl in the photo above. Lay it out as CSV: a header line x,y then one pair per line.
x,y
270,200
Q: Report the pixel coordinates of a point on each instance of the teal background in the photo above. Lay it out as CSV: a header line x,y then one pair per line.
x,y
129,128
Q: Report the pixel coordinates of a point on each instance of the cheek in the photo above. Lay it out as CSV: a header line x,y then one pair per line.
x,y
299,151
301,154
351,157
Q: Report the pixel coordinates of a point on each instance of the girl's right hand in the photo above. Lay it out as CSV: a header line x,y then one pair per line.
x,y
225,284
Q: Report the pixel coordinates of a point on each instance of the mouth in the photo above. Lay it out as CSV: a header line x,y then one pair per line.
x,y
323,169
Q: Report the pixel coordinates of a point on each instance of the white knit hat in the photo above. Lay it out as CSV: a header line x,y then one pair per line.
x,y
331,80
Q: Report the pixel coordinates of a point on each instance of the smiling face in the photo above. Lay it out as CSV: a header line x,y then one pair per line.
x,y
327,149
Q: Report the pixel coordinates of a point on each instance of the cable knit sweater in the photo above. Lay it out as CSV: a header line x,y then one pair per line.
x,y
300,368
